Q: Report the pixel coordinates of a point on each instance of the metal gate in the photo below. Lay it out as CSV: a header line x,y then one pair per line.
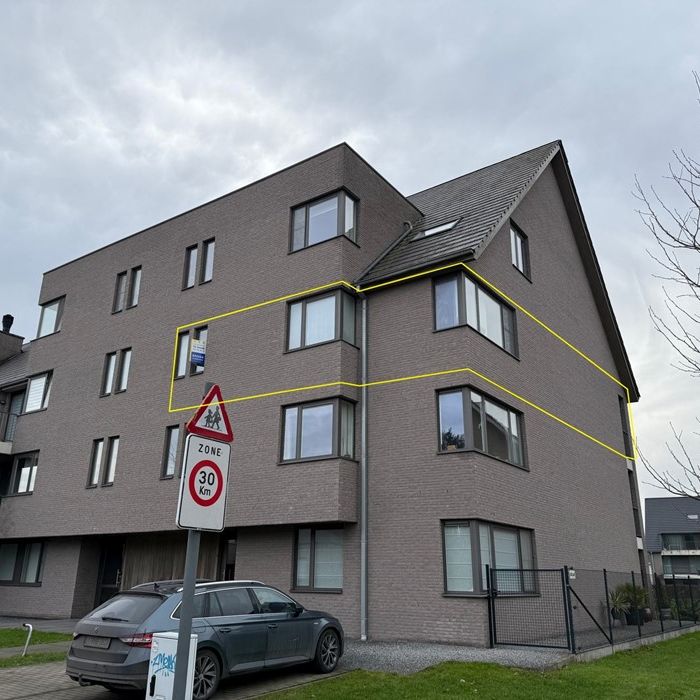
x,y
529,607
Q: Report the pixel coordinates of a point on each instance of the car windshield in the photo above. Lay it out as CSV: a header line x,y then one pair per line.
x,y
127,607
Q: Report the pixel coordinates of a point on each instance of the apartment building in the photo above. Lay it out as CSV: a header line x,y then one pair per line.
x,y
673,537
401,417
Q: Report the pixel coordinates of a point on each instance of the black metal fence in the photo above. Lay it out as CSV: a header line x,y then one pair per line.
x,y
585,609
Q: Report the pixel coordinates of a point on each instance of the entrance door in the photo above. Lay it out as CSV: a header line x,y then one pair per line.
x,y
110,575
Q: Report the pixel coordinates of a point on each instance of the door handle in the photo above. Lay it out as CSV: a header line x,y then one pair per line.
x,y
225,630
272,626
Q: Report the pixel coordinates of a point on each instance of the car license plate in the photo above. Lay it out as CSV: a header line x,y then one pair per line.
x,y
97,642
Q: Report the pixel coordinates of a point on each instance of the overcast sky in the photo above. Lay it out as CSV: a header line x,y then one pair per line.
x,y
118,115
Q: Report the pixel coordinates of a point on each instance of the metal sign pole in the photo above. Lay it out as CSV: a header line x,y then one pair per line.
x,y
186,610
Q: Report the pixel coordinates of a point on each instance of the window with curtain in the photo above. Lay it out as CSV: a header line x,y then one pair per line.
x,y
460,301
319,559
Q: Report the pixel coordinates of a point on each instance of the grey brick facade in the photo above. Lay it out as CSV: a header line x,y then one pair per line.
x,y
572,495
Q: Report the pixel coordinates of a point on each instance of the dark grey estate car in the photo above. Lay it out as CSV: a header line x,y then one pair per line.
x,y
241,626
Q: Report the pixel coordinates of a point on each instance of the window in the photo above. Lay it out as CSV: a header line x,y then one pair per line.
x,y
38,390
519,252
435,229
491,427
321,319
113,369
204,272
207,261
22,475
184,351
16,403
104,468
679,542
272,601
460,301
172,439
232,601
319,559
469,546
625,426
322,220
323,429
127,290
50,318
20,563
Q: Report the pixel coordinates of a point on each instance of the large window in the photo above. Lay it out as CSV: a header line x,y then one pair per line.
x,y
323,219
184,351
321,319
460,301
490,426
127,290
320,429
519,252
199,268
677,542
20,563
319,559
469,546
172,440
51,316
38,391
103,462
116,367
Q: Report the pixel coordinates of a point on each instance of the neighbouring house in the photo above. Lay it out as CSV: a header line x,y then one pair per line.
x,y
402,416
673,537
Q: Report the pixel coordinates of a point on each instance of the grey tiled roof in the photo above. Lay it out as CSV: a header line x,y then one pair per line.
x,y
668,516
15,368
481,200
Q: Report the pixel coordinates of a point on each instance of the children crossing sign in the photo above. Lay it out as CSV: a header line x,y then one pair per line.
x,y
211,419
202,503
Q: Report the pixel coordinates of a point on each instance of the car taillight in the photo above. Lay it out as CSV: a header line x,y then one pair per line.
x,y
138,640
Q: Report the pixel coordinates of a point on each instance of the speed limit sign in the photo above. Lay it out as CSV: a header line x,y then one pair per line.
x,y
202,503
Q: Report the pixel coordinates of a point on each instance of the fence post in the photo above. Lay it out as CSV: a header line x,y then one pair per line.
x,y
634,597
692,600
657,593
607,605
569,613
491,612
678,605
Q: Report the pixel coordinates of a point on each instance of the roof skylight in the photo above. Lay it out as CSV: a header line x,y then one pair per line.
x,y
436,229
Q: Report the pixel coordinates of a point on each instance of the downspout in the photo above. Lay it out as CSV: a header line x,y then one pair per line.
x,y
364,485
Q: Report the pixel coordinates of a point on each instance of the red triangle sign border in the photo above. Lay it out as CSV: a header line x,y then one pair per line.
x,y
213,397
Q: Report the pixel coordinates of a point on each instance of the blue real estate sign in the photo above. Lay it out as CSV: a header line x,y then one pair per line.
x,y
198,353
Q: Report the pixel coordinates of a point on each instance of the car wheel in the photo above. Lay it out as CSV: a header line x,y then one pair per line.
x,y
206,675
327,651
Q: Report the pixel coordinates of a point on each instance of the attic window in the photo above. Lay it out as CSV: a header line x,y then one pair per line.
x,y
692,516
436,229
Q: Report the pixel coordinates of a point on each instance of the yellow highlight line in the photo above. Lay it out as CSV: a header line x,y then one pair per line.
x,y
382,382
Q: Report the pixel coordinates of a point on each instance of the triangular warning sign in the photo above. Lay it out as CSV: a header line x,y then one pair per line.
x,y
211,419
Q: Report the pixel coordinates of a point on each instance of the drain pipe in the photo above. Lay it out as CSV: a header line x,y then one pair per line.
x,y
364,486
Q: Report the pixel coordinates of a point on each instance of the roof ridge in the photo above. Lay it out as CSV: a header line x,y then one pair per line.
x,y
556,142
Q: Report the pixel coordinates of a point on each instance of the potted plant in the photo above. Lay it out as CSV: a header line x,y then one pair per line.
x,y
637,600
619,606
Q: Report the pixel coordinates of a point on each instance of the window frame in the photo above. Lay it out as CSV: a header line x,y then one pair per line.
x,y
336,439
134,290
462,310
295,588
45,396
208,247
59,316
466,391
515,232
340,223
16,473
129,276
108,452
189,250
166,451
196,334
339,319
479,585
189,366
101,470
23,551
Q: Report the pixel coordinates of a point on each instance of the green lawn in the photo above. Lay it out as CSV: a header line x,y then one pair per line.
x,y
30,659
667,670
16,637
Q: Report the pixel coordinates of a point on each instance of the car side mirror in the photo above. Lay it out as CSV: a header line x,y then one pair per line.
x,y
298,610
